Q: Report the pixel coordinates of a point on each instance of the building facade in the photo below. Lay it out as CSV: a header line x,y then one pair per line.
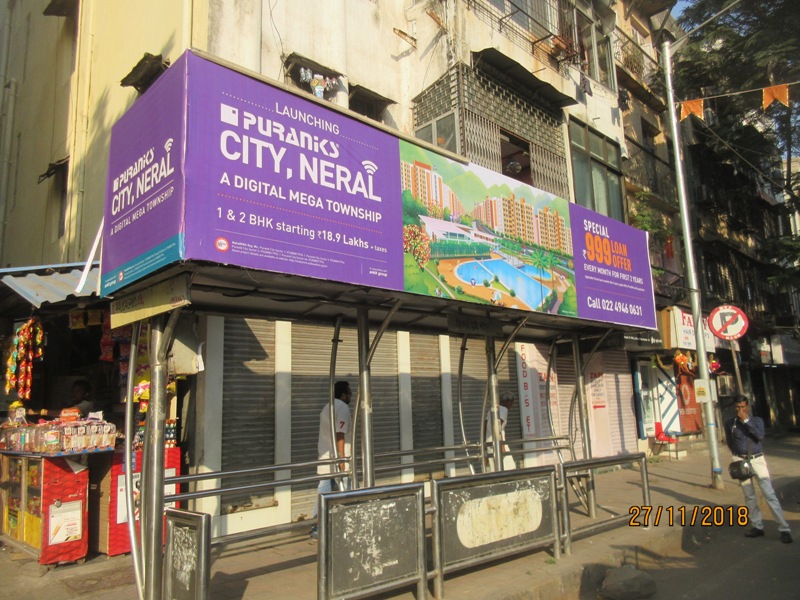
x,y
561,95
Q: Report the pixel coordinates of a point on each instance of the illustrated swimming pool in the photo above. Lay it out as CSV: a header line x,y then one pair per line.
x,y
527,289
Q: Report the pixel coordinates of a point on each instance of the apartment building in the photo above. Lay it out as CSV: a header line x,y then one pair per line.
x,y
559,95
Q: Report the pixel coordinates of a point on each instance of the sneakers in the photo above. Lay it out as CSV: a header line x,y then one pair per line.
x,y
786,537
315,535
755,532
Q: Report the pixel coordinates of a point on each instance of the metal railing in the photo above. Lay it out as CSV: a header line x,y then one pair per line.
x,y
554,479
633,58
529,22
585,468
650,173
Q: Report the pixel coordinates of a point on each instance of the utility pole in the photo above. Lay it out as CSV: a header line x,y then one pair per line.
x,y
695,295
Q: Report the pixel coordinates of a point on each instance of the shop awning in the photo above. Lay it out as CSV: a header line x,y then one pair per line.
x,y
50,283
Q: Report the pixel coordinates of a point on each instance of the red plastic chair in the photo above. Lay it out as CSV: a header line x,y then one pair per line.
x,y
662,439
662,436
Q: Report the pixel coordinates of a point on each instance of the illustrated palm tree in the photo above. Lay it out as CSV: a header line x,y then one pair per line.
x,y
550,261
539,259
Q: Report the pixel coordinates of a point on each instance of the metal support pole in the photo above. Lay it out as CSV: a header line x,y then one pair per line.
x,y
586,442
735,355
581,391
494,409
367,445
130,432
153,467
331,393
691,272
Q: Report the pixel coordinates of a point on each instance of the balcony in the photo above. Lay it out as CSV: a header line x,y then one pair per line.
x,y
671,286
645,172
541,27
638,71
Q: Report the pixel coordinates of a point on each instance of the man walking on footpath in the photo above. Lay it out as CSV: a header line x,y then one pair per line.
x,y
325,446
744,434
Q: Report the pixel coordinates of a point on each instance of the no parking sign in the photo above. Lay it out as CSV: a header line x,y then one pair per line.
x,y
728,322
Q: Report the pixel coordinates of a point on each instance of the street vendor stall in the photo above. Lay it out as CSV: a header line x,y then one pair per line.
x,y
44,483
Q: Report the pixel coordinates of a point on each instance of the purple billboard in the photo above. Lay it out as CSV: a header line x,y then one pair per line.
x,y
143,223
213,165
612,270
278,182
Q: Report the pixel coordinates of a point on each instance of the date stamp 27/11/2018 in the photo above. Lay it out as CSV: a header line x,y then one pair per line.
x,y
704,516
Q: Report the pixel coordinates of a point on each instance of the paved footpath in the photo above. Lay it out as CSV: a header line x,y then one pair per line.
x,y
286,569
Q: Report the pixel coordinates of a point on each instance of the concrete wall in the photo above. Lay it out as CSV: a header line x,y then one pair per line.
x,y
68,71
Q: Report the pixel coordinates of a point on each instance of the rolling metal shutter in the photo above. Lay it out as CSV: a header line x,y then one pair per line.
x,y
311,353
565,368
426,395
619,391
619,387
248,415
473,387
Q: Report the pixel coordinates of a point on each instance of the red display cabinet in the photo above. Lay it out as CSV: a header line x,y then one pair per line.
x,y
109,514
45,506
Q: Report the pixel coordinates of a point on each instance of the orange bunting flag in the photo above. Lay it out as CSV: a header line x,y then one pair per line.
x,y
692,107
776,92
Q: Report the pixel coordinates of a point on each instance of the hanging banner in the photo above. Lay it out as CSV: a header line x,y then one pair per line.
x,y
214,165
597,400
532,381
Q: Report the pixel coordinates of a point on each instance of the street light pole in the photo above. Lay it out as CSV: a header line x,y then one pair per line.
x,y
695,295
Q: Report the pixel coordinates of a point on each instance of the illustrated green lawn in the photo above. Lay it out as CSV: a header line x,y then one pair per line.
x,y
420,281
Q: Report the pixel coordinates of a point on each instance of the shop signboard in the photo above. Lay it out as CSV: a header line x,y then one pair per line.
x,y
681,329
646,341
215,165
156,299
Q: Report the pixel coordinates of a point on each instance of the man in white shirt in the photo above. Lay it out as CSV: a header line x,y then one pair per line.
x,y
325,447
506,402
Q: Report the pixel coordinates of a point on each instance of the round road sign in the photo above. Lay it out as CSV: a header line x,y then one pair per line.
x,y
728,322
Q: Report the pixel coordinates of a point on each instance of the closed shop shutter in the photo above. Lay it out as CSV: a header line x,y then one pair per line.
x,y
566,387
473,388
311,353
248,407
618,393
619,386
426,395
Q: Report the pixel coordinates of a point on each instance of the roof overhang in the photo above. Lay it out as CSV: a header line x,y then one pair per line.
x,y
514,73
46,284
228,290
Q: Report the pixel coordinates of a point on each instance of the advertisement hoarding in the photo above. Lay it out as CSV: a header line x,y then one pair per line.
x,y
213,165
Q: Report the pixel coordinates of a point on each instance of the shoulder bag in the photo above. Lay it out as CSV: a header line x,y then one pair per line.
x,y
742,470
